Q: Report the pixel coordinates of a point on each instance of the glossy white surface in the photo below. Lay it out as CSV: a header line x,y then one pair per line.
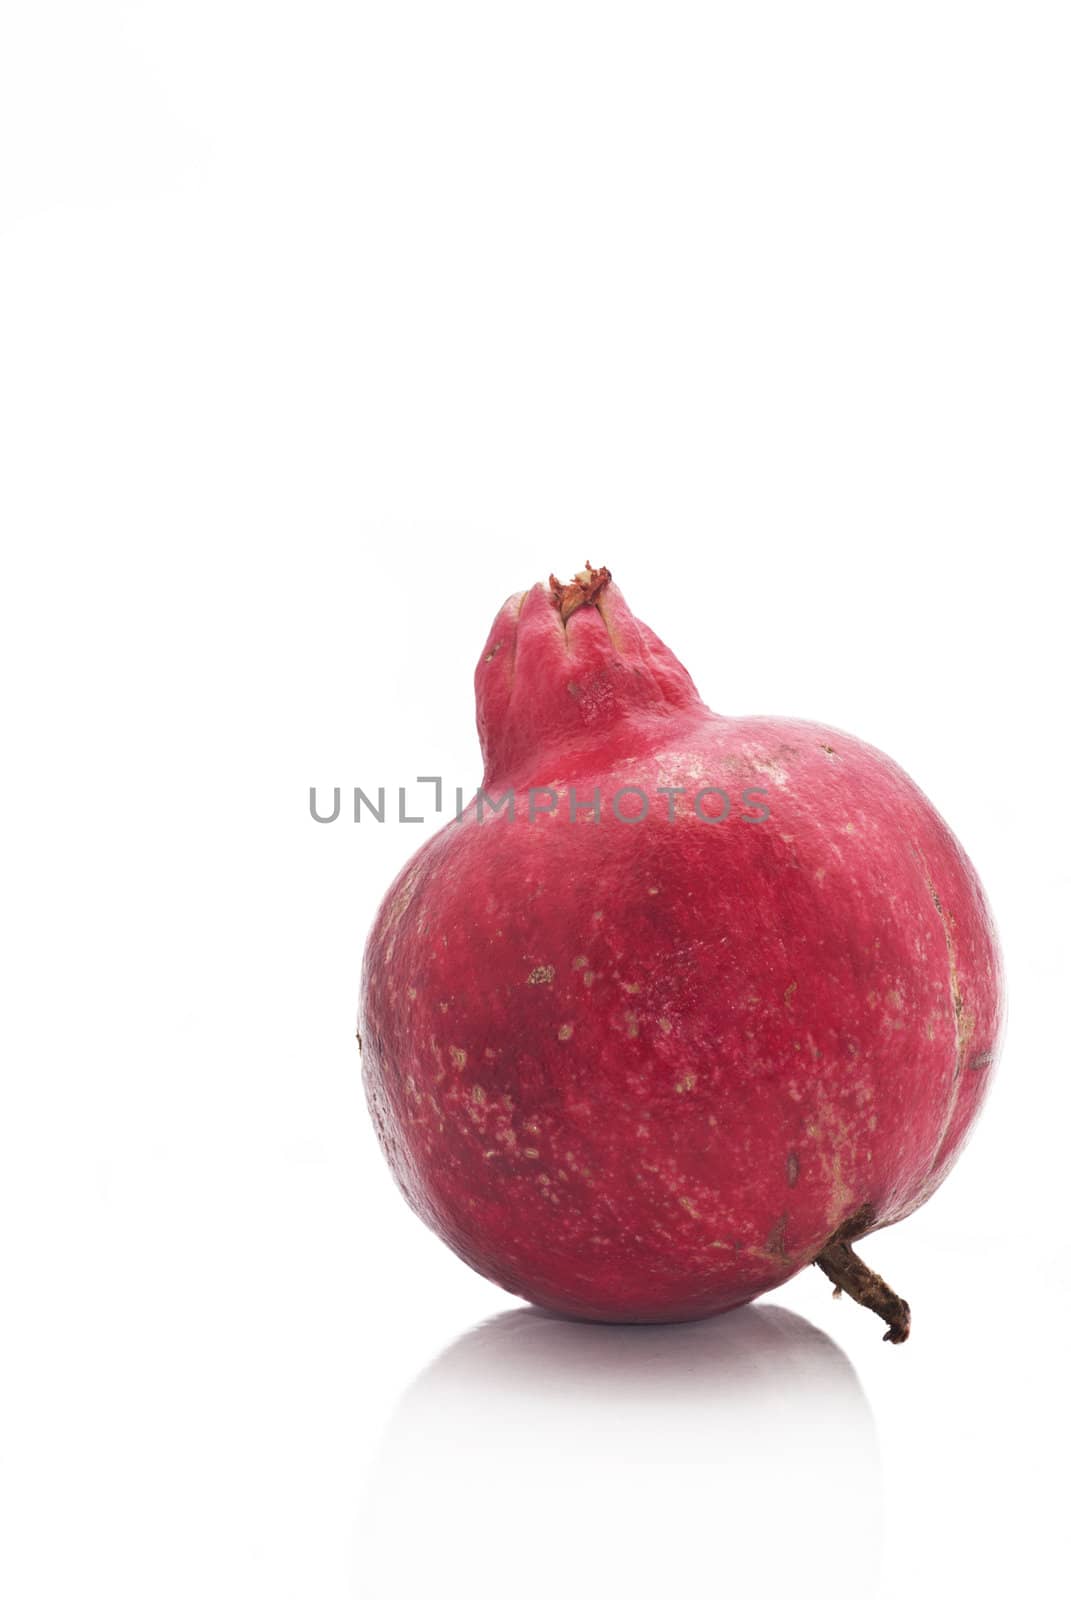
x,y
324,327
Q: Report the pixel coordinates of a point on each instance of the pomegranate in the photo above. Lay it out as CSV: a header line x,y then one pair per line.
x,y
682,1003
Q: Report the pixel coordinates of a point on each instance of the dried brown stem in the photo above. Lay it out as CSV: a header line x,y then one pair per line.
x,y
843,1267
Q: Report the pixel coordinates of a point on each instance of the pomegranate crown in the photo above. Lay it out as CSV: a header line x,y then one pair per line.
x,y
568,663
583,591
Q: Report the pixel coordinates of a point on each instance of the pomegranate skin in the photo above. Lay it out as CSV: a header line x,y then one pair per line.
x,y
646,1070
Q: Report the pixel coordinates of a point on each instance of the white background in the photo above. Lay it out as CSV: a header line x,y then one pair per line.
x,y
324,328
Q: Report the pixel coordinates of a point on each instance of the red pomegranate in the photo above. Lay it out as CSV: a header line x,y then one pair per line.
x,y
683,1002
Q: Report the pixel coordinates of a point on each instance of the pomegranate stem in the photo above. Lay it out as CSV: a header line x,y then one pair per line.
x,y
843,1267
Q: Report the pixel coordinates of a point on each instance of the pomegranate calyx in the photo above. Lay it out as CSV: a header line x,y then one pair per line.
x,y
582,591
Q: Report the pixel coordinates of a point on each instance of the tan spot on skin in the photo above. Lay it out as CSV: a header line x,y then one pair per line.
x,y
589,979
579,962
411,992
895,999
632,988
820,874
541,975
632,1025
531,1152
833,1135
565,1031
652,891
789,992
775,1244
683,1085
444,1005
458,1056
665,1024
793,1167
689,1205
964,1021
478,1094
